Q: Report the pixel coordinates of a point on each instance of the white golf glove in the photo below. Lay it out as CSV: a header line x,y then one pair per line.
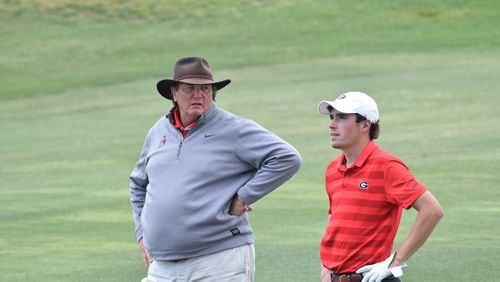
x,y
378,271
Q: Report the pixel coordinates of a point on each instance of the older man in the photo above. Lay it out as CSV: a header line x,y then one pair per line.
x,y
199,171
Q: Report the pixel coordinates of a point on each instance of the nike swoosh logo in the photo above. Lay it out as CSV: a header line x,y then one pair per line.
x,y
209,135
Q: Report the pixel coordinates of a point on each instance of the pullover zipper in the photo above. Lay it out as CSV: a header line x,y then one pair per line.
x,y
179,150
184,137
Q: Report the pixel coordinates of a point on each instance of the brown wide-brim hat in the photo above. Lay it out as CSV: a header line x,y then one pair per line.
x,y
192,70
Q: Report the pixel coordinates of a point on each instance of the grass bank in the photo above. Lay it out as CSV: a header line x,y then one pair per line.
x,y
78,96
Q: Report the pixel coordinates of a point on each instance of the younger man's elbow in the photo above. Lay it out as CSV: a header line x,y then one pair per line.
x,y
438,212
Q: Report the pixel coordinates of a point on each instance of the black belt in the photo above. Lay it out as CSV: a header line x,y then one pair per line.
x,y
353,277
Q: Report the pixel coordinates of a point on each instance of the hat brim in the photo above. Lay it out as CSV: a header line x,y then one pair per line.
x,y
163,86
323,107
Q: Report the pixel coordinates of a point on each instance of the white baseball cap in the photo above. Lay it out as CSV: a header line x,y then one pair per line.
x,y
352,103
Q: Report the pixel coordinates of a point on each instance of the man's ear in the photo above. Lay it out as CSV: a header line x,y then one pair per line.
x,y
172,90
367,124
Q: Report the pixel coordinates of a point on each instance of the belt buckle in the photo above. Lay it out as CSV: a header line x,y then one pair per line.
x,y
344,278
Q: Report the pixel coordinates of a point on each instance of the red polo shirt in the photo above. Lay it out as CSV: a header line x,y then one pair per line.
x,y
178,124
366,202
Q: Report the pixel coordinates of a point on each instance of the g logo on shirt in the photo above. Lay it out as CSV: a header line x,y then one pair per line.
x,y
363,185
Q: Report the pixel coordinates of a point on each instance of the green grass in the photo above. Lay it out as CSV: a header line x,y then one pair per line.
x,y
78,96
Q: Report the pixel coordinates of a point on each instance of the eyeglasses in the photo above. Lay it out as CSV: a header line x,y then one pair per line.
x,y
190,89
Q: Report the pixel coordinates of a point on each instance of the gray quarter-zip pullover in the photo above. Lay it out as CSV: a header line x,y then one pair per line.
x,y
181,188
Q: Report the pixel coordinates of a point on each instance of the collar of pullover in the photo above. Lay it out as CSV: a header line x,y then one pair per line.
x,y
174,118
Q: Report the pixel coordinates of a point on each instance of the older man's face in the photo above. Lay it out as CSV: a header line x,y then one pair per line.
x,y
193,100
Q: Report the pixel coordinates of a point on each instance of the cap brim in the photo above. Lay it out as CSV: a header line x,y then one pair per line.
x,y
163,86
323,107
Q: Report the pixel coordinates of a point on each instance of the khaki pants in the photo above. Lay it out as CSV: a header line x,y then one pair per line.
x,y
237,264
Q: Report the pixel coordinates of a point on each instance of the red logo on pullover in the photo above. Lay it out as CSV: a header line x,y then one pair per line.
x,y
163,141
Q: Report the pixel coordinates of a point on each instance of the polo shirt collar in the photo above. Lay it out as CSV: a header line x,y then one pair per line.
x,y
367,150
178,123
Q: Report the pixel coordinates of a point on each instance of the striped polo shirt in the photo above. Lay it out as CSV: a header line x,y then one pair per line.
x,y
366,202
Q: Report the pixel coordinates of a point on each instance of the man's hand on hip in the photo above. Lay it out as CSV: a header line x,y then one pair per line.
x,y
238,207
378,271
145,254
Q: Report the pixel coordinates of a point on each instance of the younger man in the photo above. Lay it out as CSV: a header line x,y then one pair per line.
x,y
367,189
